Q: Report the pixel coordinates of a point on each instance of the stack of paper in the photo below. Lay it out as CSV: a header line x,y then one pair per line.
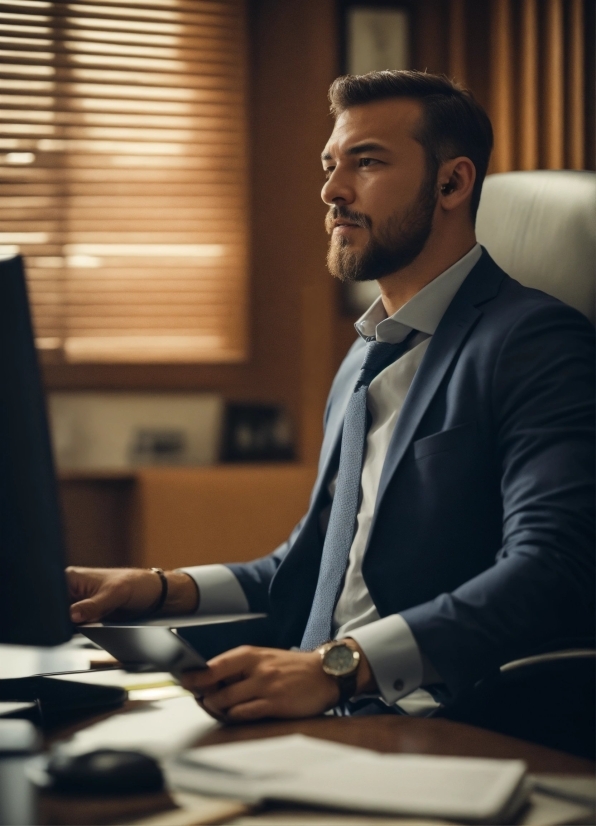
x,y
160,729
238,770
309,771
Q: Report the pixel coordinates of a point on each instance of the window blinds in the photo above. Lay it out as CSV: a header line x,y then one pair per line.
x,y
124,175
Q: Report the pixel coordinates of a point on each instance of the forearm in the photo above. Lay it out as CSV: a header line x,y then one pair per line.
x,y
183,594
521,605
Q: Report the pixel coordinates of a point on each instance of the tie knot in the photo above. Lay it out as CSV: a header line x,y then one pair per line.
x,y
377,356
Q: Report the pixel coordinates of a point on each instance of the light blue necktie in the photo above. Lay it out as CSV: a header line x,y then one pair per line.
x,y
344,510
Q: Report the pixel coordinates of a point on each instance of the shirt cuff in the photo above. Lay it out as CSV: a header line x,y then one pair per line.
x,y
393,655
219,590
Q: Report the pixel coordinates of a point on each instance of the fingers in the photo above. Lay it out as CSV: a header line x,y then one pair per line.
x,y
97,592
93,609
250,683
90,598
231,681
219,701
237,702
80,582
220,717
94,592
232,666
253,710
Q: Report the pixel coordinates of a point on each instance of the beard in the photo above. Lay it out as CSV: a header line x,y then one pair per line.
x,y
398,241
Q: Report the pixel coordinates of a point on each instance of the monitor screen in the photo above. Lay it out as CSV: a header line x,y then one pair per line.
x,y
33,593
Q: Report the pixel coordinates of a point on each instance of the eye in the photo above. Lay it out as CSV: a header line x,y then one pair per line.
x,y
365,162
328,170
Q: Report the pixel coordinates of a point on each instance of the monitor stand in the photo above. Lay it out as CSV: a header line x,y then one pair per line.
x,y
49,701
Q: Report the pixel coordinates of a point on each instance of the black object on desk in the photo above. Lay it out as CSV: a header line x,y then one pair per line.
x,y
178,644
104,771
216,636
59,701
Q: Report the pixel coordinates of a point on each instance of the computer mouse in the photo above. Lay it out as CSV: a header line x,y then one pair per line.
x,y
104,771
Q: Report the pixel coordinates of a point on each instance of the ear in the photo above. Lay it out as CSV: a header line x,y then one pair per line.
x,y
456,181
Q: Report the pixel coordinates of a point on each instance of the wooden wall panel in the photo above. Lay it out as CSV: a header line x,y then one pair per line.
x,y
221,514
528,158
97,518
553,150
457,41
430,23
501,70
576,86
531,63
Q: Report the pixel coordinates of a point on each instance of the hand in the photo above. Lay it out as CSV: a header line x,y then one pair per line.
x,y
250,683
125,592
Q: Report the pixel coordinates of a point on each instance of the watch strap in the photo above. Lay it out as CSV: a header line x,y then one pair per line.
x,y
347,686
161,601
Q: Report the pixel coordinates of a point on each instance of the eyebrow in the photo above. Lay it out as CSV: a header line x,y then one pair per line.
x,y
358,149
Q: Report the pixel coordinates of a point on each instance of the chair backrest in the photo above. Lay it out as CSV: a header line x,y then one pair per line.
x,y
540,227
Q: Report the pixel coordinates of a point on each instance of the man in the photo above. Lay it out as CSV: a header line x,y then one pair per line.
x,y
450,527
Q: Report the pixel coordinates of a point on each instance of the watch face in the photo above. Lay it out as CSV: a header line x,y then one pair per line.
x,y
339,660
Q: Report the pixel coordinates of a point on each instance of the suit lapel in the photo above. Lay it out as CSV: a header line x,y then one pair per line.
x,y
342,390
462,314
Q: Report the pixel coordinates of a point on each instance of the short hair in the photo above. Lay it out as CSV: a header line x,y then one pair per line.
x,y
453,122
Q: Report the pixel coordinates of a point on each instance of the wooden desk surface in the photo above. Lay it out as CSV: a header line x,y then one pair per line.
x,y
390,734
411,735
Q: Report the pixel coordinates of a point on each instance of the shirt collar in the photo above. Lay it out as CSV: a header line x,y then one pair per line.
x,y
424,310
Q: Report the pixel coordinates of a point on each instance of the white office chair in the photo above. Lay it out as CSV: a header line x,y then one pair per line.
x,y
540,227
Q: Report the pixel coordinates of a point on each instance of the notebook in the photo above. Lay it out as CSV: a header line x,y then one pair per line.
x,y
306,770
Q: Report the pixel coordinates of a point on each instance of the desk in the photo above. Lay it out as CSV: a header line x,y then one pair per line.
x,y
389,734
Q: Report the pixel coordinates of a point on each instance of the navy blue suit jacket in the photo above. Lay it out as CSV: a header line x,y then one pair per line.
x,y
482,536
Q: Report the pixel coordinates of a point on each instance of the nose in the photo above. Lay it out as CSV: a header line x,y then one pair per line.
x,y
337,190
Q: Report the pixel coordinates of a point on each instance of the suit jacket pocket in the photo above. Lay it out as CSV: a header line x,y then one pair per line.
x,y
451,439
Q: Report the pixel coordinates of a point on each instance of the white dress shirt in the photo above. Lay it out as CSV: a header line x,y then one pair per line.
x,y
388,643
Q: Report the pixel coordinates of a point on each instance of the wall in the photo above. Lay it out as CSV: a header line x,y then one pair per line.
x,y
293,60
292,55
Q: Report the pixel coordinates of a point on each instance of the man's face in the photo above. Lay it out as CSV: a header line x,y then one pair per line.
x,y
381,200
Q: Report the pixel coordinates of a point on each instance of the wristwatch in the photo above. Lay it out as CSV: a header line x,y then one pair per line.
x,y
341,662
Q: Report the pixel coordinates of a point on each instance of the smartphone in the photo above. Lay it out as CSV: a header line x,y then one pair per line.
x,y
136,646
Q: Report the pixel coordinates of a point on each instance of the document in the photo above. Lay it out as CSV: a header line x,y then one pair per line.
x,y
456,788
159,729
306,770
235,770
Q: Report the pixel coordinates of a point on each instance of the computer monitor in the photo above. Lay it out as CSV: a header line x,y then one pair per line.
x,y
33,592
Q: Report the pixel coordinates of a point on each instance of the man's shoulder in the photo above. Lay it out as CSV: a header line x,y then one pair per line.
x,y
513,305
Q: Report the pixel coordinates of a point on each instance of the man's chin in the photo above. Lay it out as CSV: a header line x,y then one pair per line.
x,y
349,271
344,262
353,278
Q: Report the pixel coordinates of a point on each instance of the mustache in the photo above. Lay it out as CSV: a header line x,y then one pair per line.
x,y
336,212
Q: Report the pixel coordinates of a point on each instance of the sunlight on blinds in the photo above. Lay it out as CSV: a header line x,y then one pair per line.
x,y
124,175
